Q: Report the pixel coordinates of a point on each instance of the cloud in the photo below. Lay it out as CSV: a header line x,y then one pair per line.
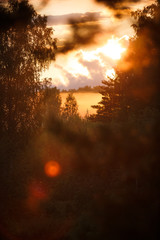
x,y
117,4
78,17
81,68
83,28
96,70
120,8
82,34
77,30
42,4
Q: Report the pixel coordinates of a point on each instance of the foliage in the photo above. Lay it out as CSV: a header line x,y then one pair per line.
x,y
70,109
136,87
26,47
109,106
83,89
142,56
108,185
51,99
116,100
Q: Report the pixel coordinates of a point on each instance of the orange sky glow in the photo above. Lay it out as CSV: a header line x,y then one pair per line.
x,y
87,65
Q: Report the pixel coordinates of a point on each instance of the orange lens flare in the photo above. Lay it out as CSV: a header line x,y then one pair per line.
x,y
52,169
37,193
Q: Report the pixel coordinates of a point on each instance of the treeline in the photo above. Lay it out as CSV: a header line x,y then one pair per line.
x,y
84,89
63,177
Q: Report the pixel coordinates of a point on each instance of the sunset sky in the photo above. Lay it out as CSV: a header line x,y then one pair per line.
x,y
89,64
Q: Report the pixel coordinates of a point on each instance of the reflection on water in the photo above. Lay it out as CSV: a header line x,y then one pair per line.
x,y
84,101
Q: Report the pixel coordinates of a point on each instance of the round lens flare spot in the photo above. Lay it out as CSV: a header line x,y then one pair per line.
x,y
52,169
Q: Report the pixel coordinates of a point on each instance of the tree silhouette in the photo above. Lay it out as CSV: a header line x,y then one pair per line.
x,y
143,56
51,99
70,109
136,87
115,99
26,47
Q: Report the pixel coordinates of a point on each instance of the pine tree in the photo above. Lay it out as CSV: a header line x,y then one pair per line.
x,y
116,102
70,109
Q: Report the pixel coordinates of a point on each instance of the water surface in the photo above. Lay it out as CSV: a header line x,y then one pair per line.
x,y
84,101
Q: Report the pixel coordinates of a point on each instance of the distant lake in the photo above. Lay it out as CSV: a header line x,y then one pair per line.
x,y
84,101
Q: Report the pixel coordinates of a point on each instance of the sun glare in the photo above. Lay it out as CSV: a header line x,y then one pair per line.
x,y
111,73
88,62
113,49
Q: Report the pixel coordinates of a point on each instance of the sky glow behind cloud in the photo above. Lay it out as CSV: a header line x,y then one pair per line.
x,y
84,67
87,65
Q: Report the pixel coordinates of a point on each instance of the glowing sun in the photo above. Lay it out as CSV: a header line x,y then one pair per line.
x,y
113,49
110,73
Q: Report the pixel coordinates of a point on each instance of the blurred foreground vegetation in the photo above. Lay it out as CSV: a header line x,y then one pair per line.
x,y
108,185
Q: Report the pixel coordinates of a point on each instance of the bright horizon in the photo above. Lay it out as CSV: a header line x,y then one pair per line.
x,y
84,100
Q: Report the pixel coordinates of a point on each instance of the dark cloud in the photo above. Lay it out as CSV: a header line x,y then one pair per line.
x,y
80,17
43,3
119,7
82,34
117,4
